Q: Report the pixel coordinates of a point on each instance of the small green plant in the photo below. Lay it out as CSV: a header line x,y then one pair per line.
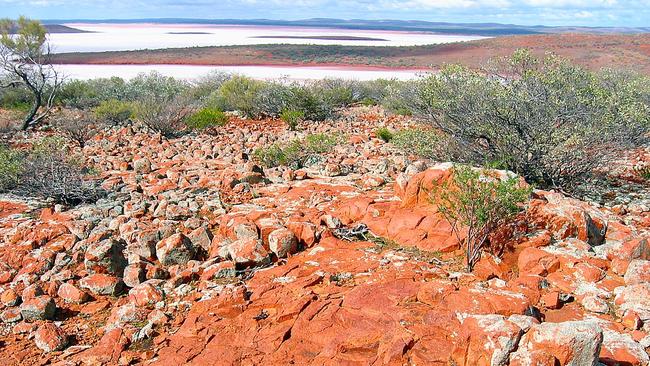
x,y
205,118
320,143
10,167
384,134
292,117
476,202
643,171
296,152
114,112
420,141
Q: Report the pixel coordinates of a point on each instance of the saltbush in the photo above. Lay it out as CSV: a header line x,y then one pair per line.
x,y
206,118
114,112
292,117
384,134
421,141
10,167
548,120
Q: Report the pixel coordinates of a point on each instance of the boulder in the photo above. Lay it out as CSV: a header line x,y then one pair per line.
x,y
106,256
283,242
102,284
573,343
70,293
39,308
176,249
637,272
49,338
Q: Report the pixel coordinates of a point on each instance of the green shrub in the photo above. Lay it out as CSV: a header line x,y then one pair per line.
x,y
296,153
292,117
423,142
205,118
114,112
550,121
476,202
10,167
320,143
384,134
237,94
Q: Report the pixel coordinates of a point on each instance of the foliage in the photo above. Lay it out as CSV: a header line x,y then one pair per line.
x,y
296,152
547,120
476,203
165,116
292,117
384,134
205,118
272,99
24,61
48,171
420,141
237,94
10,167
78,126
114,112
201,88
85,94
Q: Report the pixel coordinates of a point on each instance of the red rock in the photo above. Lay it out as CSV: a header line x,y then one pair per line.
x,y
248,252
176,249
70,293
201,238
146,294
102,284
551,300
105,257
537,262
11,315
570,343
145,244
135,274
621,349
637,272
32,291
306,233
49,338
10,298
486,340
283,242
108,350
39,308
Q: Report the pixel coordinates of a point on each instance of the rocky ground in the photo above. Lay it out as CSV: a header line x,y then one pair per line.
x,y
199,256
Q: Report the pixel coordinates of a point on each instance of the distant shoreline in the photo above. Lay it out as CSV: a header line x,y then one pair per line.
x,y
589,50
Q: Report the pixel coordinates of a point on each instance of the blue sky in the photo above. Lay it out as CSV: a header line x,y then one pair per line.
x,y
527,12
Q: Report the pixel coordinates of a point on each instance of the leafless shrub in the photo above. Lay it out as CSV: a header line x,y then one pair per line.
x,y
77,125
48,171
165,116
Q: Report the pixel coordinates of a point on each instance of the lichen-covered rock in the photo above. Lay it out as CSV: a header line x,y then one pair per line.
x,y
49,338
176,249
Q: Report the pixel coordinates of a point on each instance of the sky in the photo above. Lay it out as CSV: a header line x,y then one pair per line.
x,y
525,12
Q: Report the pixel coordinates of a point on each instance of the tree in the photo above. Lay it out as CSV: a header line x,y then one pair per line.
x,y
24,59
476,202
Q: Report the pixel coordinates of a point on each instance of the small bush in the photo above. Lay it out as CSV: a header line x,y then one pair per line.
x,y
10,167
206,118
320,143
423,142
165,116
237,94
384,134
292,117
114,112
48,171
476,203
78,126
297,152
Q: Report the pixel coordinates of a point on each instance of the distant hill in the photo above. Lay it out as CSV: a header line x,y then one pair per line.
x,y
58,28
483,29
